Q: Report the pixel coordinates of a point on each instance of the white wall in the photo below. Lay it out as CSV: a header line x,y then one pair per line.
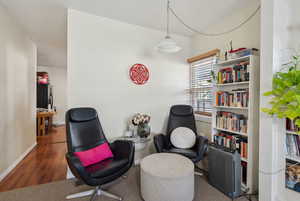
x,y
100,53
280,29
58,80
17,97
247,36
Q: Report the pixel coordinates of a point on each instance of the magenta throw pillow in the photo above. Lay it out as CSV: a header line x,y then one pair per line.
x,y
94,155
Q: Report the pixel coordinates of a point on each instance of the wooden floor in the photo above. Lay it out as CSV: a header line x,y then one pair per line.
x,y
45,163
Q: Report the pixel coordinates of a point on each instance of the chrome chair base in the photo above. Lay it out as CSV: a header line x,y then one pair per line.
x,y
94,193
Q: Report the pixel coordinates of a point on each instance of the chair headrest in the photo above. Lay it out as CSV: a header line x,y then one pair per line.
x,y
182,110
82,114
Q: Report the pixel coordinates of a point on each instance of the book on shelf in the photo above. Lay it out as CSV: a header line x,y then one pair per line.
x,y
231,121
292,145
232,142
235,73
244,173
291,126
292,175
234,98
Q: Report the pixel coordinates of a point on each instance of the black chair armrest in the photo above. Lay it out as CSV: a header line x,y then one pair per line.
x,y
123,149
76,167
161,143
201,146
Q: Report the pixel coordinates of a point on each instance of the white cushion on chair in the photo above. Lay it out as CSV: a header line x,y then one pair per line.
x,y
183,138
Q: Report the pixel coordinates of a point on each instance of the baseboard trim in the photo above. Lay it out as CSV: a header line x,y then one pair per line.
x,y
12,166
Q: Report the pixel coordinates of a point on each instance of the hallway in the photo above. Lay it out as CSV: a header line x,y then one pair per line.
x,y
45,163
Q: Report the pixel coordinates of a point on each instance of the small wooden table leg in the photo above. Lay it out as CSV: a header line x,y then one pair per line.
x,y
38,126
43,126
50,123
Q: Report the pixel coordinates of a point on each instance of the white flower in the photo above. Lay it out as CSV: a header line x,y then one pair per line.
x,y
140,118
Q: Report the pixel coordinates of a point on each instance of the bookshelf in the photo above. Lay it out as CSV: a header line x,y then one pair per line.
x,y
291,132
237,101
232,108
231,131
293,158
231,84
234,61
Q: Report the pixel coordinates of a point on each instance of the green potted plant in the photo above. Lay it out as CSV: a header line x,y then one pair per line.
x,y
285,93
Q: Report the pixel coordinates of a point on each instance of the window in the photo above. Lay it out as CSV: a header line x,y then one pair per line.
x,y
201,85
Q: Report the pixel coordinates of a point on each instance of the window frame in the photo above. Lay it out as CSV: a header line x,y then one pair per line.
x,y
213,55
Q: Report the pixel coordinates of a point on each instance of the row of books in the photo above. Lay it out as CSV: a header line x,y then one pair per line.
x,y
231,121
237,73
292,175
292,148
233,142
235,98
291,126
244,173
293,145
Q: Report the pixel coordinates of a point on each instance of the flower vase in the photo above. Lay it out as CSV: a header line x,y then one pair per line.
x,y
143,130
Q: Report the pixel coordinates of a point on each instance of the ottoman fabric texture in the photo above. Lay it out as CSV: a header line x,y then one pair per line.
x,y
167,177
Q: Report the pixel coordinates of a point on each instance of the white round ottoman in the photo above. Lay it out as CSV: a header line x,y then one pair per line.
x,y
167,177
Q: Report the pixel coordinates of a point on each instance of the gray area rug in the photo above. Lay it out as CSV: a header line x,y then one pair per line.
x,y
127,188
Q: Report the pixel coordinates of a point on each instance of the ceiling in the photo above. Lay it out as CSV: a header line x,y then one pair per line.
x,y
46,20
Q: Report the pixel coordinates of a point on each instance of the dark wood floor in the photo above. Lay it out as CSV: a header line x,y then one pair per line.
x,y
45,163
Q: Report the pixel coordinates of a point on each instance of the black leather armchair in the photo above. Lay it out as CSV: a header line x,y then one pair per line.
x,y
84,132
182,116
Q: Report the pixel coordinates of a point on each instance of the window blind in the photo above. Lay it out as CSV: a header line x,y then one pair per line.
x,y
201,85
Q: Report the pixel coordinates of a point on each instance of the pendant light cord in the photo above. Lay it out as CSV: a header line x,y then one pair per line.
x,y
168,18
210,34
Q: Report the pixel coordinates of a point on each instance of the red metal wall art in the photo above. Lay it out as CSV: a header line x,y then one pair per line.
x,y
139,74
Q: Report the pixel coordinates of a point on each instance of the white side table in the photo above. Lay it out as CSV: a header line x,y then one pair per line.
x,y
142,146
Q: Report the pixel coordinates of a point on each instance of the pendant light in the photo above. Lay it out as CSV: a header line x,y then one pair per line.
x,y
168,45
